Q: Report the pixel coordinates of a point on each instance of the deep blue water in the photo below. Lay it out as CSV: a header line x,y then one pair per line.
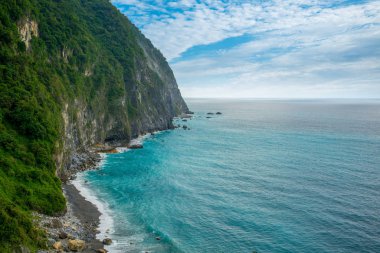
x,y
265,176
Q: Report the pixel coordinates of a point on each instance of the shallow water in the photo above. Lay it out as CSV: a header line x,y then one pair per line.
x,y
265,176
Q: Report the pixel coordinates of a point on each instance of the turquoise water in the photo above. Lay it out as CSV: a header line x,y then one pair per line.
x,y
265,176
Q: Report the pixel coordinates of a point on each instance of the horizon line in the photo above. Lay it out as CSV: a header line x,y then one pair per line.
x,y
285,98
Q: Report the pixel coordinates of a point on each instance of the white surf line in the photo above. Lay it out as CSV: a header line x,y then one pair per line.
x,y
106,222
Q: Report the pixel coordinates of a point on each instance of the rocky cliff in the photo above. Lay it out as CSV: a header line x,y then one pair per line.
x,y
142,97
73,74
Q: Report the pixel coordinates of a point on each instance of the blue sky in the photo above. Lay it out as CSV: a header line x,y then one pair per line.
x,y
266,49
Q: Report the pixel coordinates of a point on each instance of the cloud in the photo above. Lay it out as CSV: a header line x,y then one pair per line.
x,y
177,26
305,47
340,65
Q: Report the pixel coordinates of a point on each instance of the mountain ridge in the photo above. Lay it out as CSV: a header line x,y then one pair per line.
x,y
74,74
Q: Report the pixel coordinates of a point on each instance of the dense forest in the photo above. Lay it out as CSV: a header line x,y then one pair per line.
x,y
52,53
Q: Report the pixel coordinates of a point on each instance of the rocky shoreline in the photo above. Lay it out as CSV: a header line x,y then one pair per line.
x,y
74,231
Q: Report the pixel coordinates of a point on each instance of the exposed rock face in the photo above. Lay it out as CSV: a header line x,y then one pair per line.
x,y
27,29
148,103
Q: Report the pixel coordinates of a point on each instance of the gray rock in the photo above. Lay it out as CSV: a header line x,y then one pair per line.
x,y
107,241
62,235
56,223
135,146
50,242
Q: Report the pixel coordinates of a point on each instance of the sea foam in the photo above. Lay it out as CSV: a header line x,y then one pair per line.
x,y
106,224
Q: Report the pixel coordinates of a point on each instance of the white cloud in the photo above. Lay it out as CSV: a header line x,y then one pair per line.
x,y
299,48
205,22
340,65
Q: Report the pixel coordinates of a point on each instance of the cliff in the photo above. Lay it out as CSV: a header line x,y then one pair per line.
x,y
73,74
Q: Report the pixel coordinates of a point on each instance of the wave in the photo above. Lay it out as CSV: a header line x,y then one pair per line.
x,y
106,222
106,225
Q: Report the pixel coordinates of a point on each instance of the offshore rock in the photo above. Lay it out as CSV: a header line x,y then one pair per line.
x,y
135,146
107,241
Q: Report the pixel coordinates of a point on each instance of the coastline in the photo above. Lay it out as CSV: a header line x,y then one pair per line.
x,y
82,218
87,214
93,209
87,218
94,216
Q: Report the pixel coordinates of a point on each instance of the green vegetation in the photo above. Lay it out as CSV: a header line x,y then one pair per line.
x,y
85,49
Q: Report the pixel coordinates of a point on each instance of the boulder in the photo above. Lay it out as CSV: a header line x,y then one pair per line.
x,y
70,236
219,113
50,242
101,251
184,120
135,146
55,223
158,238
62,235
107,241
184,127
210,113
58,245
76,245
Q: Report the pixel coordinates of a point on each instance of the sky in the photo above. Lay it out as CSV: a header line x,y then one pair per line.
x,y
265,49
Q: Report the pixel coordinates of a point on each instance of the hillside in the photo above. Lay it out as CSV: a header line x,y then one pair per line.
x,y
73,74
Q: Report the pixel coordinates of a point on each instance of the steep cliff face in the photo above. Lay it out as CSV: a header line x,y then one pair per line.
x,y
143,97
73,74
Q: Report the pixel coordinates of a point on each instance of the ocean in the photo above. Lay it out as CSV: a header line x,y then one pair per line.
x,y
264,176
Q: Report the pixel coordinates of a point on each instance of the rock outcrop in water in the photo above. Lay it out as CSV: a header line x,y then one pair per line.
x,y
73,74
